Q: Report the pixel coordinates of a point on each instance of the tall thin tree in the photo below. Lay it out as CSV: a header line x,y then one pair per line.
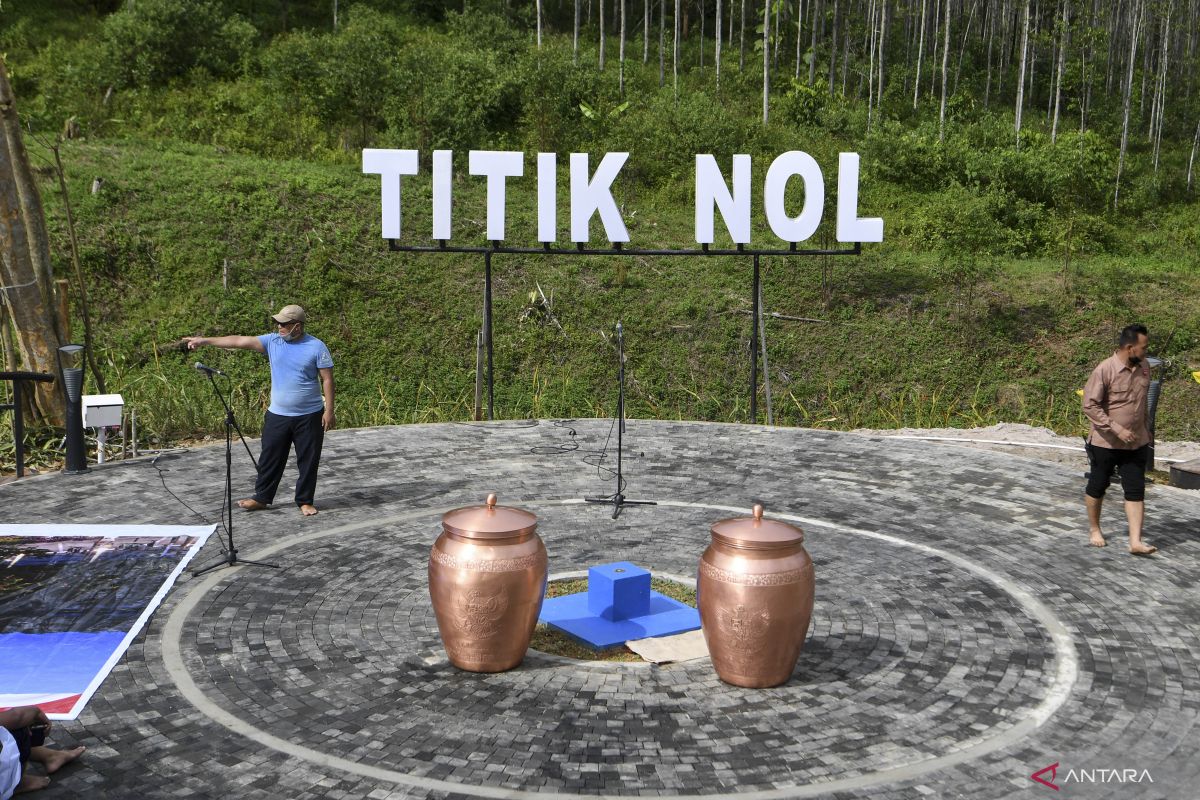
x,y
675,51
1064,39
945,64
601,5
1134,35
742,40
621,57
646,32
920,53
717,53
1021,72
766,58
662,50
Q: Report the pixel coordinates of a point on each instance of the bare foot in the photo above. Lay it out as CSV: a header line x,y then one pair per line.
x,y
308,510
1143,549
250,504
54,760
1097,539
31,783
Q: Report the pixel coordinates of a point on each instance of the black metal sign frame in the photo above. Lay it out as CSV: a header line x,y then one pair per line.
x,y
617,249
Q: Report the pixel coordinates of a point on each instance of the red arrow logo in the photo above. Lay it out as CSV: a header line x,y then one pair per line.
x,y
1053,770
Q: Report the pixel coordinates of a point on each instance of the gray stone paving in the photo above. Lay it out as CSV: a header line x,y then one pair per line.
x,y
964,636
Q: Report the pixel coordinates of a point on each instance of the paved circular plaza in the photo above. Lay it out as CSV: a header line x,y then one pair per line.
x,y
964,636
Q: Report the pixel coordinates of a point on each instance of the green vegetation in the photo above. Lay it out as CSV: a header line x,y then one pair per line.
x,y
230,159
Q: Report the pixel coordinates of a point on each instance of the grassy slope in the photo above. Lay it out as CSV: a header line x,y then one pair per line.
x,y
898,348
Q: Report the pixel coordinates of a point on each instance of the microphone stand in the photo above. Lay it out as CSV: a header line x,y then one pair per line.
x,y
618,500
230,559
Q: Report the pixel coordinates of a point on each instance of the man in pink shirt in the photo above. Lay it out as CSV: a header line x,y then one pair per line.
x,y
1114,399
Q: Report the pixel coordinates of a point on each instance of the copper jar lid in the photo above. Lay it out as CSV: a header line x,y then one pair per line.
x,y
756,533
489,521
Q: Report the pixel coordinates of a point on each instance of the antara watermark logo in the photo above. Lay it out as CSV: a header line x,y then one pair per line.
x,y
1047,776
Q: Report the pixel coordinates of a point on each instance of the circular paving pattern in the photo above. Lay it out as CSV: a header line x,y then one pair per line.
x,y
926,661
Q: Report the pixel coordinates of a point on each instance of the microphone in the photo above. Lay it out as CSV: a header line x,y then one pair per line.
x,y
208,369
619,332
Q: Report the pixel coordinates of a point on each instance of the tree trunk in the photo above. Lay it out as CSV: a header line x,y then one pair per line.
x,y
1037,20
920,53
871,39
766,57
833,41
937,10
1133,42
991,36
717,46
1021,72
646,33
742,40
25,273
538,8
1064,40
962,50
675,49
662,50
621,55
816,31
601,4
883,25
1161,90
799,34
945,63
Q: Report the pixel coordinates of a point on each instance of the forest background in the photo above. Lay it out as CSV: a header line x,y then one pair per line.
x,y
1033,161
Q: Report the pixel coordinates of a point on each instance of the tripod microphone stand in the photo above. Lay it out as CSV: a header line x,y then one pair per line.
x,y
618,500
230,559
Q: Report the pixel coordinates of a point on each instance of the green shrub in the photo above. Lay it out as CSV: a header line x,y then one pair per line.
x,y
151,42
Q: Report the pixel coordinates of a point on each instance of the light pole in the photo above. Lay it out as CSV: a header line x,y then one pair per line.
x,y
70,362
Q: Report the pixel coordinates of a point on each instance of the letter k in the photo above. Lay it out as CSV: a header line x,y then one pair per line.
x,y
1053,770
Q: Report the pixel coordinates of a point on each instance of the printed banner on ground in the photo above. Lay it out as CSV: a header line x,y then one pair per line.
x,y
73,597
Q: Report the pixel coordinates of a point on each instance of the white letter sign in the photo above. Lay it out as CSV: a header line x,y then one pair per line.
x,y
849,227
497,167
390,164
443,173
711,190
782,169
589,197
547,197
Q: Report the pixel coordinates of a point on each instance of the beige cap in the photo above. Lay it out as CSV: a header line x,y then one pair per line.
x,y
291,313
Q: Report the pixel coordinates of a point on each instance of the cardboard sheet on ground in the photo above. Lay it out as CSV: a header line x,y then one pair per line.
x,y
668,649
72,598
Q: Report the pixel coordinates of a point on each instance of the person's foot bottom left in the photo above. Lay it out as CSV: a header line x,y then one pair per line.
x,y
57,759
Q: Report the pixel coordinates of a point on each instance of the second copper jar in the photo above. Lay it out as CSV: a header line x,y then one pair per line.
x,y
487,578
755,592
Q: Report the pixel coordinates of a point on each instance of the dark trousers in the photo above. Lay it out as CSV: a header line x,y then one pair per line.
x,y
278,436
27,739
1133,471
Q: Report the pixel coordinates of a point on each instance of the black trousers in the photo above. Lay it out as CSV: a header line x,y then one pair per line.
x,y
1133,471
27,739
278,436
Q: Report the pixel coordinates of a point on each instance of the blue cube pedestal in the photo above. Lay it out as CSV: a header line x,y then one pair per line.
x,y
618,591
590,619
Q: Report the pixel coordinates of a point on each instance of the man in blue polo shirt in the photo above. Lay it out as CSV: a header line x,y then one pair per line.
x,y
301,407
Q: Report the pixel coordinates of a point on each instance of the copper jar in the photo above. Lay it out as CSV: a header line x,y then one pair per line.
x,y
487,578
755,593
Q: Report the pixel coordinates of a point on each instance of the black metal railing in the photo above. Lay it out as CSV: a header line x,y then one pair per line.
x,y
19,378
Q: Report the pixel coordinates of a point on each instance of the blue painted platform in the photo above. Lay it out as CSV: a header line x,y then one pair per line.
x,y
618,607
